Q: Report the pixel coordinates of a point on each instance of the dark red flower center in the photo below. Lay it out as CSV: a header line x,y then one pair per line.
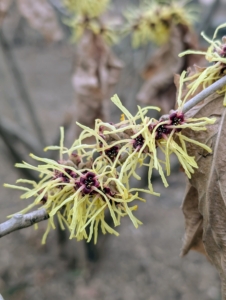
x,y
112,152
176,118
161,131
64,178
88,182
138,142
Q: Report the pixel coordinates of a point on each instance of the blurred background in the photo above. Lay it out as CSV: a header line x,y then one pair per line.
x,y
36,98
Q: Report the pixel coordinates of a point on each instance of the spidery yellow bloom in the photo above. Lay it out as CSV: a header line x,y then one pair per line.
x,y
151,22
90,181
79,197
216,55
86,15
167,131
89,8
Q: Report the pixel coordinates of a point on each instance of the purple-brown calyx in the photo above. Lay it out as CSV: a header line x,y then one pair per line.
x,y
138,142
222,52
161,132
112,152
107,191
176,118
74,157
44,200
100,142
102,127
88,182
64,178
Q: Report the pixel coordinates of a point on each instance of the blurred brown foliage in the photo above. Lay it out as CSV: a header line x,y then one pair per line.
x,y
39,14
4,6
204,203
158,88
96,72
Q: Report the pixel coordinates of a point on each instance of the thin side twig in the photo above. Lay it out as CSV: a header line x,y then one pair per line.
x,y
20,221
16,155
15,131
20,84
209,15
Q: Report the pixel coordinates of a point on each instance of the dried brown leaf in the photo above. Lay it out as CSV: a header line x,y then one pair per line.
x,y
193,222
4,7
97,71
204,206
41,16
158,88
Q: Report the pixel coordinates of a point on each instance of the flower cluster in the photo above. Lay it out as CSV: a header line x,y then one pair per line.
x,y
151,22
86,15
204,77
89,8
95,178
79,196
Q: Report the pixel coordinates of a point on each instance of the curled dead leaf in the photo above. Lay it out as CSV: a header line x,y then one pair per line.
x,y
96,72
193,222
4,7
158,88
41,16
204,206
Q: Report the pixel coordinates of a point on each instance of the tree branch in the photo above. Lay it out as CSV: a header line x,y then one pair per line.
x,y
15,131
16,155
20,221
20,84
204,94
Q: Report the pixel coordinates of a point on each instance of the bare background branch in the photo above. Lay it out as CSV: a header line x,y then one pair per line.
x,y
19,221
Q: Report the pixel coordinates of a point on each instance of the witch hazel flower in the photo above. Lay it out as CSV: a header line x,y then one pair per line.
x,y
204,77
79,197
88,182
112,152
95,178
138,142
160,134
152,135
174,141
